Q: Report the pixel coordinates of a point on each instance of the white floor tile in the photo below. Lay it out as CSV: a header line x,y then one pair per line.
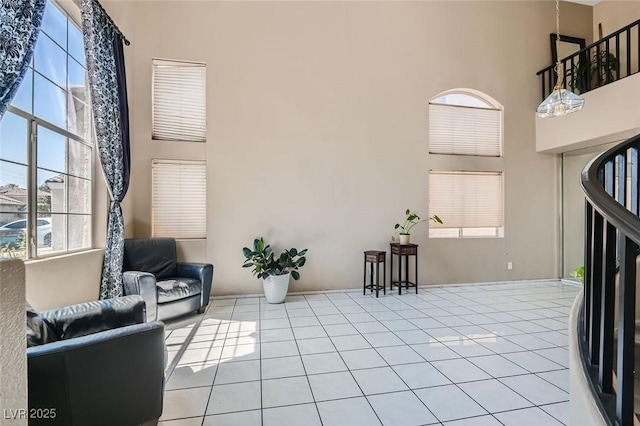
x,y
352,412
401,409
527,417
191,421
560,378
346,343
304,321
500,345
494,396
497,366
460,370
185,403
271,324
467,348
330,362
378,340
334,386
234,397
340,330
532,362
362,358
396,355
449,403
333,319
293,415
412,337
557,355
240,352
267,336
242,418
561,411
315,346
234,372
276,368
421,375
287,391
475,421
379,380
279,349
191,376
434,351
535,389
309,332
370,327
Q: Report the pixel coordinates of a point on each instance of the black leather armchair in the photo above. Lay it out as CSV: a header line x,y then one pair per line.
x,y
95,363
168,287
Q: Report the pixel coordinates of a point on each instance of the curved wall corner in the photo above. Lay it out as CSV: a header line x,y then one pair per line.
x,y
584,411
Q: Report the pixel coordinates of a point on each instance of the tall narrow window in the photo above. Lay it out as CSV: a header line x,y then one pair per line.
x,y
46,148
179,101
469,201
179,199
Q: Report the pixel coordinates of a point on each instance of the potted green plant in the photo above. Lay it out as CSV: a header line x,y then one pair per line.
x,y
410,221
592,73
274,270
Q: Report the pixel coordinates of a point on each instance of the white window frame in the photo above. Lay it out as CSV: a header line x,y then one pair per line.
x,y
33,122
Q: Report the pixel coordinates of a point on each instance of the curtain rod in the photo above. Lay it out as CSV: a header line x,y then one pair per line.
x,y
124,38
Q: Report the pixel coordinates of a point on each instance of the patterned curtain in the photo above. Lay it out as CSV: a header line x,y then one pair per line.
x,y
105,66
19,28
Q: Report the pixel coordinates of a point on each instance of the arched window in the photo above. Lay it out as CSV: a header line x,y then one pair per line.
x,y
470,201
465,123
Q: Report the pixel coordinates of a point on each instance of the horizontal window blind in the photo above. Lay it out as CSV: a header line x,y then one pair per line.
x,y
179,101
464,130
179,199
466,199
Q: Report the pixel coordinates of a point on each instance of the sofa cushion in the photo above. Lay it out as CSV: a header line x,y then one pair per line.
x,y
154,255
177,288
39,331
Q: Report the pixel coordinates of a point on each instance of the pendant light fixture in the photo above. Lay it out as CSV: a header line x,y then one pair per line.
x,y
560,101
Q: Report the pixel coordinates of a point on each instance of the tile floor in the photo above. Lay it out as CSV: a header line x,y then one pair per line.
x,y
474,355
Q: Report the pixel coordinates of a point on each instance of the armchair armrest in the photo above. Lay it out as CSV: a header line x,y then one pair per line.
x,y
144,284
92,317
112,377
199,271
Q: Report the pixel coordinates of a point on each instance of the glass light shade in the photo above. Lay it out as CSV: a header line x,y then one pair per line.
x,y
560,102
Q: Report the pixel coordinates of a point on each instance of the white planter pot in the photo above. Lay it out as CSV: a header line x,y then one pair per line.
x,y
404,238
275,287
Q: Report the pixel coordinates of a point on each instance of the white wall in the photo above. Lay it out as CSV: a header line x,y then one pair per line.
x,y
610,114
317,127
13,344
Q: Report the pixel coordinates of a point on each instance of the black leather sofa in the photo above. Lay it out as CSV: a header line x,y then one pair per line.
x,y
168,287
96,363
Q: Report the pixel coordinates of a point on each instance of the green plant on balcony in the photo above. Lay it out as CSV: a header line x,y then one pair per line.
x,y
598,71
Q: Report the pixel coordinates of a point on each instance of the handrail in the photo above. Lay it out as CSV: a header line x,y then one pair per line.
x,y
614,212
611,184
587,73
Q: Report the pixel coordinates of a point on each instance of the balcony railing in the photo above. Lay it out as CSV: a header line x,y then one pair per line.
x,y
605,61
612,237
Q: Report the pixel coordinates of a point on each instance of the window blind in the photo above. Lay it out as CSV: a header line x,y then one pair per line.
x,y
464,130
466,199
179,101
179,199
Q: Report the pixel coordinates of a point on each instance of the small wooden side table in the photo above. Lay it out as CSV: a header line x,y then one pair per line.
x,y
375,257
404,251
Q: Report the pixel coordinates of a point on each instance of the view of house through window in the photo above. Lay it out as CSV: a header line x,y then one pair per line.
x,y
45,186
